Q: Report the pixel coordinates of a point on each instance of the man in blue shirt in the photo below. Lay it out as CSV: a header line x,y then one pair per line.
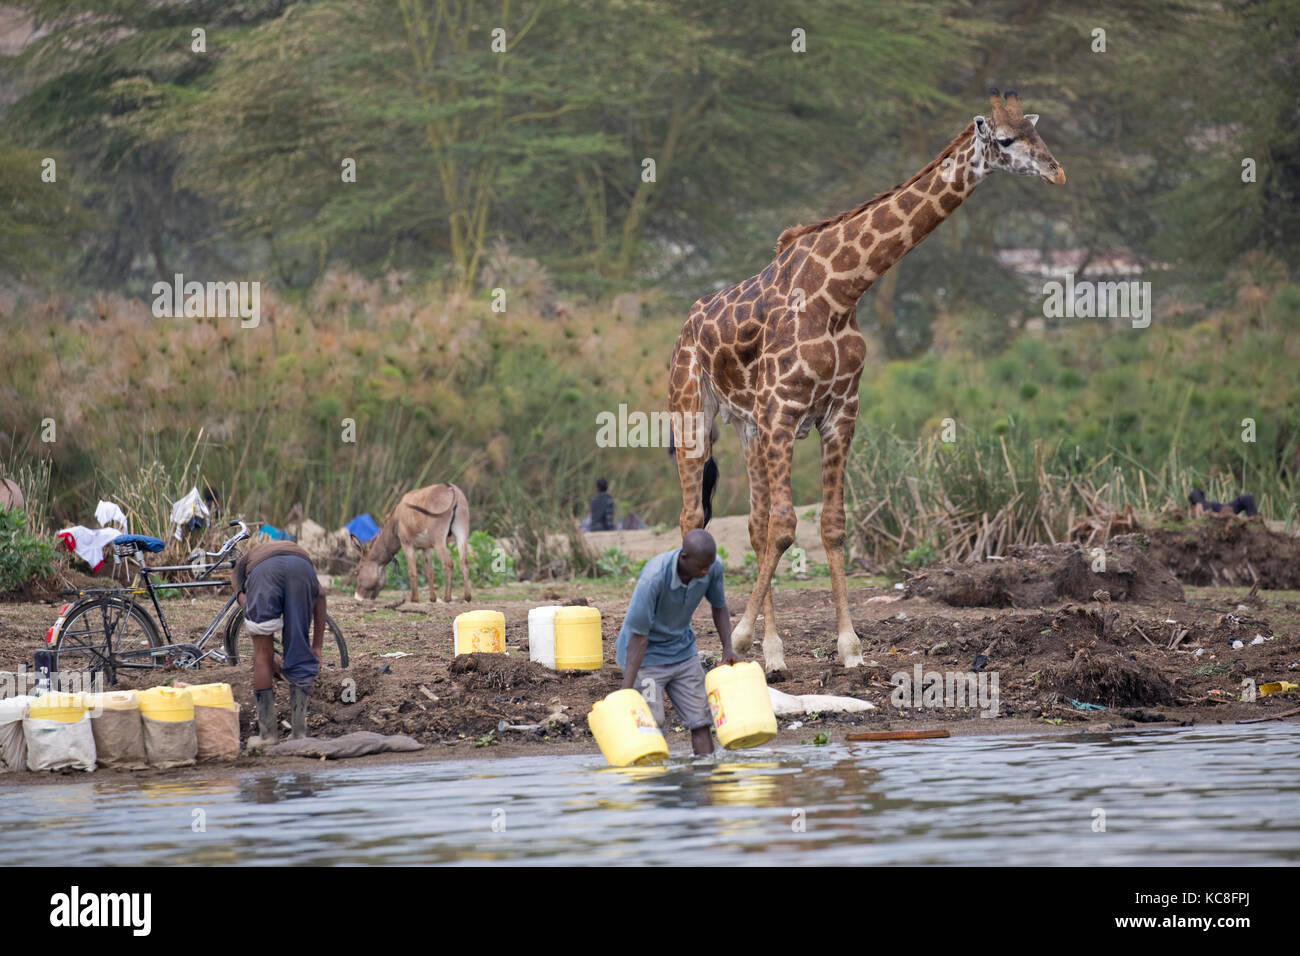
x,y
656,642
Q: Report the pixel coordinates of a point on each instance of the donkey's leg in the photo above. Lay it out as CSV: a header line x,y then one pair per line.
x,y
440,543
430,579
837,438
408,550
460,528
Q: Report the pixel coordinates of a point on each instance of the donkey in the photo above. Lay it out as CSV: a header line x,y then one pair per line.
x,y
11,496
423,519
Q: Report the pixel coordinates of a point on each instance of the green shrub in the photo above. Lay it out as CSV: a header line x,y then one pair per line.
x,y
614,563
23,557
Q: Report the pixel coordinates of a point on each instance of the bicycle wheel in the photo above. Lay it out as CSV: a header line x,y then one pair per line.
x,y
84,639
239,643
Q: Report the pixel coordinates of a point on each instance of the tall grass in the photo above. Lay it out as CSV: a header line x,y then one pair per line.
x,y
32,474
358,390
978,495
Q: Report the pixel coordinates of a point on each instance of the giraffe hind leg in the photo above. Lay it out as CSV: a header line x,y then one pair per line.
x,y
692,409
758,505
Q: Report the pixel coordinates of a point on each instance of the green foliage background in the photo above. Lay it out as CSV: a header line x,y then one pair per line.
x,y
522,170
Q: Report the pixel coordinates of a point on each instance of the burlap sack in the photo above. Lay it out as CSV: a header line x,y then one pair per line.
x,y
119,739
217,729
13,744
169,743
54,745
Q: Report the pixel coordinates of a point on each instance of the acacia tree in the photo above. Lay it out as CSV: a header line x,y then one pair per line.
x,y
90,81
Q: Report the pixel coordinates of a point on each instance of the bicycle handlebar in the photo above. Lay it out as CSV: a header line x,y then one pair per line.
x,y
226,546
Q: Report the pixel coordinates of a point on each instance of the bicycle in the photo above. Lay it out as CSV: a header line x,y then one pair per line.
x,y
107,629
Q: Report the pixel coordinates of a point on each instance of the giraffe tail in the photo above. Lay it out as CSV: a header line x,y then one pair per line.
x,y
709,483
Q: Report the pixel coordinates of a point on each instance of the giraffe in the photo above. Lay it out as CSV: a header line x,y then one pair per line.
x,y
780,353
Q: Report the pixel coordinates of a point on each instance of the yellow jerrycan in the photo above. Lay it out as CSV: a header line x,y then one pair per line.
x,y
112,700
212,695
65,708
626,730
741,707
480,631
172,705
577,639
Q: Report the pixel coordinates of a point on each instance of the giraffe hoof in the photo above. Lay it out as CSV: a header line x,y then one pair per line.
x,y
741,640
850,650
775,667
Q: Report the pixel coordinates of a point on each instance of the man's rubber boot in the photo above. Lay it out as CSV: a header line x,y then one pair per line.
x,y
267,732
298,699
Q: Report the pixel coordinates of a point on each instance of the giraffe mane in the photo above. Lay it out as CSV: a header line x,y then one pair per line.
x,y
786,238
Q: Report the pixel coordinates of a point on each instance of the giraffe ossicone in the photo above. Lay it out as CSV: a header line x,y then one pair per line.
x,y
748,356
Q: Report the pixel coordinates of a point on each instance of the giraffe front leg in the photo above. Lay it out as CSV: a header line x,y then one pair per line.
x,y
742,635
776,446
759,503
836,441
773,649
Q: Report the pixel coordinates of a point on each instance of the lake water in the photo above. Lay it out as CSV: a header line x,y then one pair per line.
x,y
1203,795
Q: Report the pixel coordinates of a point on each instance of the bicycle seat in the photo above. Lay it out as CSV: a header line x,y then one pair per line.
x,y
139,541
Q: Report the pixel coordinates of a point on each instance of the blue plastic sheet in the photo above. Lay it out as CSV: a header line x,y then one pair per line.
x,y
362,527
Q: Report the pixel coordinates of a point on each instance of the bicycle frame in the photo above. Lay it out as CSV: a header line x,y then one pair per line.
x,y
195,649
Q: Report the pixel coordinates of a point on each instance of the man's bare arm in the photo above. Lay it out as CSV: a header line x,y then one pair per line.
x,y
636,646
722,621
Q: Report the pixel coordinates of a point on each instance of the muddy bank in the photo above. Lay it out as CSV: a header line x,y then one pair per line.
x,y
1172,660
1121,570
1214,551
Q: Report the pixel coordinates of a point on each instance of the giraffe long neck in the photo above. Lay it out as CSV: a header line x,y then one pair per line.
x,y
886,230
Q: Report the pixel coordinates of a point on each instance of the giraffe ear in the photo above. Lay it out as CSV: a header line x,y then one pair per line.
x,y
1033,118
982,128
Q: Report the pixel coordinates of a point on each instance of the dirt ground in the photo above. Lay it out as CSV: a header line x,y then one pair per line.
x,y
1148,650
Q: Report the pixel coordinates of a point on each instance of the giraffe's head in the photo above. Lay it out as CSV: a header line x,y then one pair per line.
x,y
1010,141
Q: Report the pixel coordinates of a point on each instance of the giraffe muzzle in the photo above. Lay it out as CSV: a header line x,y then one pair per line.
x,y
1058,179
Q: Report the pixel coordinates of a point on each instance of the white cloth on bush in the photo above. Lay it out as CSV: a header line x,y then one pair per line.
x,y
188,507
107,512
89,543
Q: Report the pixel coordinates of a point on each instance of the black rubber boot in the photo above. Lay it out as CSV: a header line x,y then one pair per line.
x,y
268,733
298,699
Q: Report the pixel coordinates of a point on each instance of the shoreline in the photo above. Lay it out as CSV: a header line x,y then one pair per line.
x,y
1049,659
679,748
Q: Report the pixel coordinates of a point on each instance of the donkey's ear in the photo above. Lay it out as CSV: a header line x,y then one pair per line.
x,y
1033,118
982,128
